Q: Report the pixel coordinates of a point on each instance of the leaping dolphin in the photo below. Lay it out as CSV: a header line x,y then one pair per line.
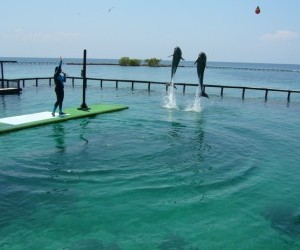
x,y
177,56
201,64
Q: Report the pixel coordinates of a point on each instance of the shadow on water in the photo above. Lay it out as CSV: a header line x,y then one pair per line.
x,y
175,242
170,242
284,218
13,206
89,244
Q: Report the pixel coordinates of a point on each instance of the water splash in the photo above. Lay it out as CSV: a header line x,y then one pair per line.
x,y
170,99
196,106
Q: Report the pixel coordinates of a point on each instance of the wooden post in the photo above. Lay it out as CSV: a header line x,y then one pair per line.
x,y
289,95
266,95
243,93
149,86
117,84
132,84
36,82
2,74
222,91
2,71
101,83
184,88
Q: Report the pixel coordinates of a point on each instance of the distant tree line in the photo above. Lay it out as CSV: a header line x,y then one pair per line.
x,y
153,62
126,61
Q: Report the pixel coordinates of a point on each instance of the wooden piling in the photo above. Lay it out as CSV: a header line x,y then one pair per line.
x,y
243,95
266,95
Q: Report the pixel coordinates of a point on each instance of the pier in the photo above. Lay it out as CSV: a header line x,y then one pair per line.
x,y
8,86
36,81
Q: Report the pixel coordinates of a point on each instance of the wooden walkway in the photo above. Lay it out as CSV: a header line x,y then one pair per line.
x,y
10,87
117,82
9,91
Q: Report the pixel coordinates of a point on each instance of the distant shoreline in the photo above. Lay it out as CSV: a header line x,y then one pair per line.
x,y
187,66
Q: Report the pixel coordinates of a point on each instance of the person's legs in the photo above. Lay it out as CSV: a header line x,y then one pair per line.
x,y
56,103
61,99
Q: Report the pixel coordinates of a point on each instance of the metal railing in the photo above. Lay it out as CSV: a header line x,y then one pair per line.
x,y
116,82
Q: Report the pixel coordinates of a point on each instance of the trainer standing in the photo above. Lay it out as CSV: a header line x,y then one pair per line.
x,y
59,88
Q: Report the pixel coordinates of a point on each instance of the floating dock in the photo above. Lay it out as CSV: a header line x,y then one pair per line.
x,y
15,123
10,91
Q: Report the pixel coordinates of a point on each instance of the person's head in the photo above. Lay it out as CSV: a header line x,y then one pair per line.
x,y
56,69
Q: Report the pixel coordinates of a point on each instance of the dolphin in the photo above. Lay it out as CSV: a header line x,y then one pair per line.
x,y
201,64
177,56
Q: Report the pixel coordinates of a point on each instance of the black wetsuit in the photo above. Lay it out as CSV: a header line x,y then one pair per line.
x,y
59,89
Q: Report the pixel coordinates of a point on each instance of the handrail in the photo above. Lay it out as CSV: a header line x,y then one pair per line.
x,y
117,81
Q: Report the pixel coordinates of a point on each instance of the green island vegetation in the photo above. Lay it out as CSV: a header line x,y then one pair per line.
x,y
126,61
153,62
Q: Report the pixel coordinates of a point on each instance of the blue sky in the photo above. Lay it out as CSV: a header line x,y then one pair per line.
x,y
228,31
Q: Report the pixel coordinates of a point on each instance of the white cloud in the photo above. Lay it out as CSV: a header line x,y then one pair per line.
x,y
279,35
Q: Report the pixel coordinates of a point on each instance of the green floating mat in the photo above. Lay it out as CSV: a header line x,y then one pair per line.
x,y
14,123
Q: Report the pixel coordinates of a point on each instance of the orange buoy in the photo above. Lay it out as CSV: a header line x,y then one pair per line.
x,y
257,10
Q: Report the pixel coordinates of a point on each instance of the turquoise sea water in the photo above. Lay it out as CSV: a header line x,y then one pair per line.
x,y
224,175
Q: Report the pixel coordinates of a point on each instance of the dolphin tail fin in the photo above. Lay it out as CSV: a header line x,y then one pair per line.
x,y
203,94
170,84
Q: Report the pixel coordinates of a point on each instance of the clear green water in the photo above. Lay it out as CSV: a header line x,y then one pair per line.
x,y
226,177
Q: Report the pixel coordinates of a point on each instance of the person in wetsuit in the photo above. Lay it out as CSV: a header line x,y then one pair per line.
x,y
59,88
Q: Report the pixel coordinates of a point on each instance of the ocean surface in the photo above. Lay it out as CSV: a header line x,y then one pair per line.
x,y
217,173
